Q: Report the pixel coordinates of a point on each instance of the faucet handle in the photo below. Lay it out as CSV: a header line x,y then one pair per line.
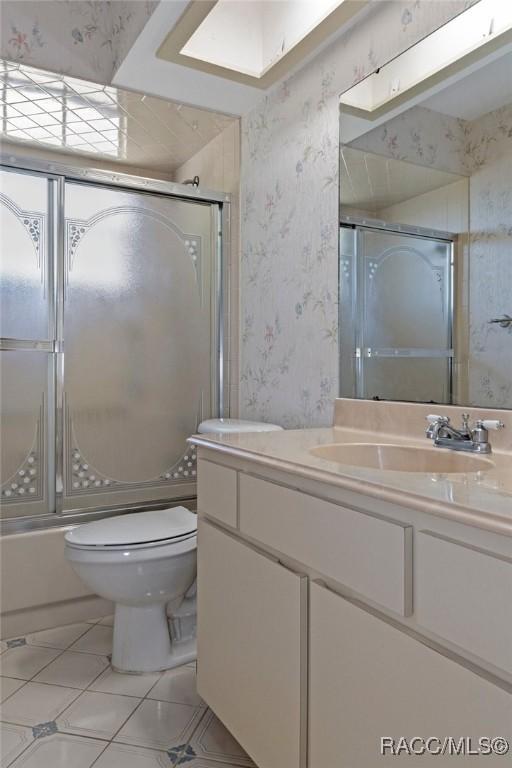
x,y
433,419
491,424
480,433
434,424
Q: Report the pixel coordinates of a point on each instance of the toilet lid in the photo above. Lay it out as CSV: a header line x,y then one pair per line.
x,y
235,426
136,528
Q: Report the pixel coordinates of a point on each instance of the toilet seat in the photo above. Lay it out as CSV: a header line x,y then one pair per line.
x,y
135,531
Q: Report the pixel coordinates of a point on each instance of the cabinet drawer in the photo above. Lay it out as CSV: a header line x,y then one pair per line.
x,y
217,492
370,555
463,595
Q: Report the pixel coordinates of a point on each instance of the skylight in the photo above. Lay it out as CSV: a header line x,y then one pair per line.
x,y
252,37
250,40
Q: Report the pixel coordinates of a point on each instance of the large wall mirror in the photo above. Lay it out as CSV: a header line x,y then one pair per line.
x,y
426,227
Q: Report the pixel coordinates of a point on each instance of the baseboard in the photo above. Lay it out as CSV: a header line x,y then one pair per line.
x,y
27,620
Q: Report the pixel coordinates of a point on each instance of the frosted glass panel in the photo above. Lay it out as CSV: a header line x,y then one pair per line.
x,y
25,387
406,290
24,307
395,315
138,330
96,412
413,379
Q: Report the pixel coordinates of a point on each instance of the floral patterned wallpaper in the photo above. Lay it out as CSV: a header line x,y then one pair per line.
x,y
423,137
289,268
87,39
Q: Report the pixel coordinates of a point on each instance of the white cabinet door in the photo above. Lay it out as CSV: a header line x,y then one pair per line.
x,y
369,680
252,647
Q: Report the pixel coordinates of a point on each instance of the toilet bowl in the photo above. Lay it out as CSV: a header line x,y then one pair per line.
x,y
142,562
145,563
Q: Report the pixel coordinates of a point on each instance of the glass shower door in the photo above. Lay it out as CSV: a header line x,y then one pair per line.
x,y
400,314
26,345
140,326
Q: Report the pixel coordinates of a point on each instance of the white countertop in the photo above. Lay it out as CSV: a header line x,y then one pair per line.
x,y
482,499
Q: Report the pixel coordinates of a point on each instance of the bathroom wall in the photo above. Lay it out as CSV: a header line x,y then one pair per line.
x,y
84,39
218,167
421,136
445,209
489,149
289,205
38,587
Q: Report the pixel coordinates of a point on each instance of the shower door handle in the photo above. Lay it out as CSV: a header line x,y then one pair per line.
x,y
30,345
59,426
393,352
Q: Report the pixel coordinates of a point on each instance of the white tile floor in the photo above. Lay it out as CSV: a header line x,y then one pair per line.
x,y
62,706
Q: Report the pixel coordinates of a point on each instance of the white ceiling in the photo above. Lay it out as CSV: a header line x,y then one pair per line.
x,y
142,71
477,94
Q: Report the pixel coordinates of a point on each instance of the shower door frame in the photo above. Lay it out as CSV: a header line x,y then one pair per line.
x,y
357,224
59,173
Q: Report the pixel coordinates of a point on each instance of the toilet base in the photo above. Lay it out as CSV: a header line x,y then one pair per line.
x,y
142,641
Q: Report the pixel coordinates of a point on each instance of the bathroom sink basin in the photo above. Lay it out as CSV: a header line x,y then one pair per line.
x,y
399,458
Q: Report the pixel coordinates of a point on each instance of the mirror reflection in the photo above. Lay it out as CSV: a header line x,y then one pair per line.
x,y
426,243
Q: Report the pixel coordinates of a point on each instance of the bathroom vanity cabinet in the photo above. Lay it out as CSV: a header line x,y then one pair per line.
x,y
252,646
328,620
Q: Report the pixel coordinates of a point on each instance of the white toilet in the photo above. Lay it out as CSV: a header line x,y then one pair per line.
x,y
145,563
141,562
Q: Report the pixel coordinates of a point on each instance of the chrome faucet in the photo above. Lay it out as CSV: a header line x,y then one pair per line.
x,y
474,439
